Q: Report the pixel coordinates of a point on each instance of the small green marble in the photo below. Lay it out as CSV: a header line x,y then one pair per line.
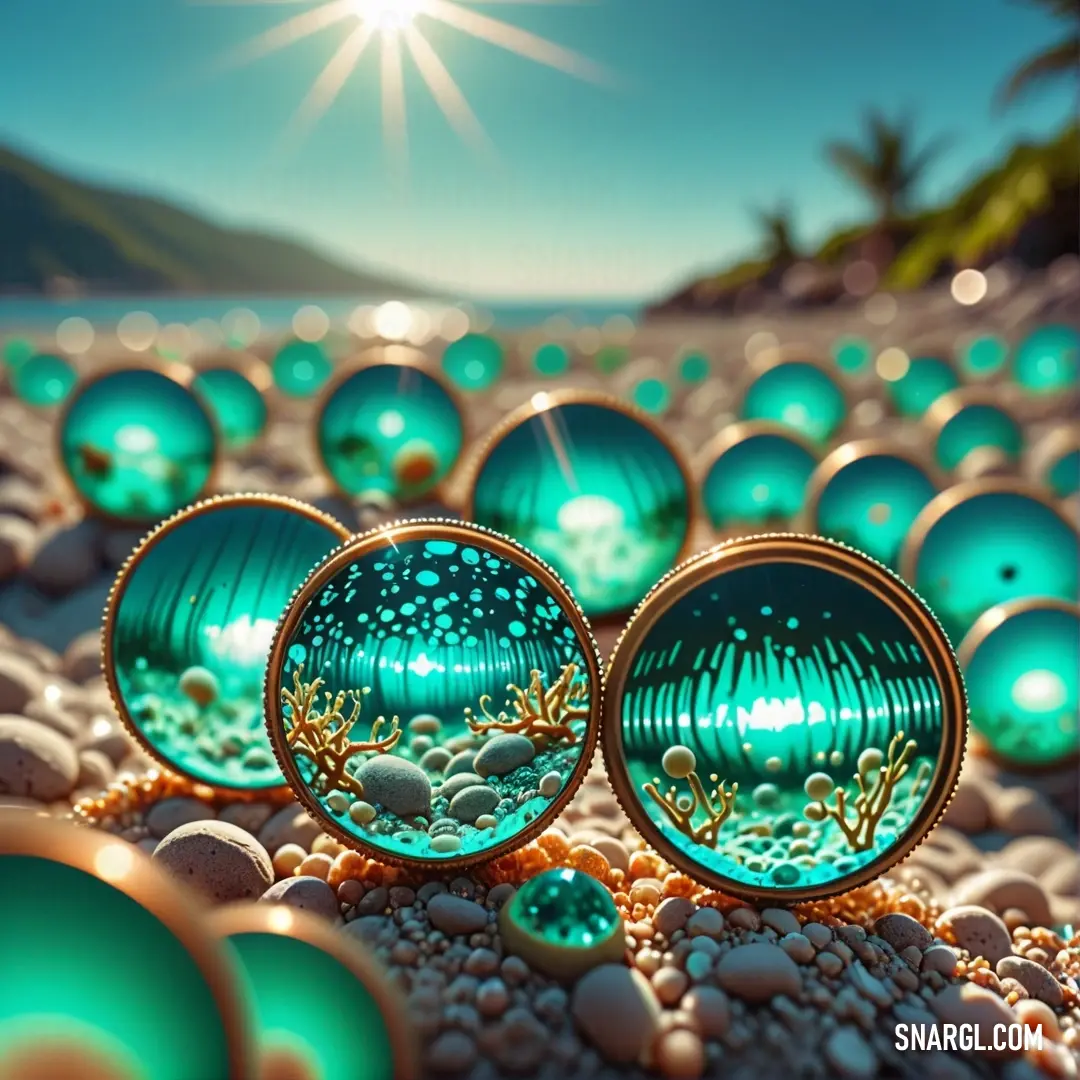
x,y
798,395
925,380
473,362
974,427
694,368
43,379
551,359
301,368
652,395
235,404
17,351
984,355
852,354
610,358
1048,360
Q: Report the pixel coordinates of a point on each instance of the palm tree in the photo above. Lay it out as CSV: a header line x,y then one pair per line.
x,y
1059,61
777,231
886,166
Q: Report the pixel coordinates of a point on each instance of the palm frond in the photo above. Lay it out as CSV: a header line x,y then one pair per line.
x,y
1059,61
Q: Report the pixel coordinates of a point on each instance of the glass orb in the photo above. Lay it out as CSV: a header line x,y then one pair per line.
x,y
563,923
867,494
783,718
301,368
964,421
82,997
1047,361
652,396
137,445
474,362
924,381
798,394
755,474
234,402
390,428
43,379
285,954
592,488
1063,475
17,351
984,355
551,359
694,368
984,542
1020,667
852,354
190,622
467,694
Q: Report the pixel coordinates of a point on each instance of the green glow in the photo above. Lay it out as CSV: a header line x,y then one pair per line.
x,y
799,396
339,1030
985,355
1022,686
652,395
301,368
17,351
594,493
474,362
760,479
978,426
1047,361
993,547
551,359
852,354
566,909
871,502
1063,475
610,358
436,627
390,428
926,379
137,445
235,404
207,596
43,379
694,368
785,679
97,979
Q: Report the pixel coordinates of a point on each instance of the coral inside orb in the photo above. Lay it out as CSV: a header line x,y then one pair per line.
x,y
436,696
137,445
190,625
781,726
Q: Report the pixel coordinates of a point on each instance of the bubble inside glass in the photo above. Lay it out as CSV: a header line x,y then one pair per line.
x,y
975,426
781,726
435,694
989,547
192,620
392,429
234,402
594,492
137,445
758,480
798,395
1022,678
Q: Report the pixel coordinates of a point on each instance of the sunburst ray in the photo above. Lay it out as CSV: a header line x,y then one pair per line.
x,y
291,30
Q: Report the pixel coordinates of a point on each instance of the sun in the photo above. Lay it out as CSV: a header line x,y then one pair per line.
x,y
390,16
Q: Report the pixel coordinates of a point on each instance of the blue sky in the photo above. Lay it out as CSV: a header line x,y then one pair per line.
x,y
613,191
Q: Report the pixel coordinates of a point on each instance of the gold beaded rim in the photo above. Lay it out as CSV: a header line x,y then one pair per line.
x,y
843,561
116,596
234,920
388,536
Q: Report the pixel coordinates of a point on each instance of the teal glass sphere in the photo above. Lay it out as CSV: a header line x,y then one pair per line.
x,y
801,396
301,368
694,368
984,355
474,362
652,396
390,428
16,351
867,495
282,956
1047,361
462,687
757,476
83,997
189,625
1020,666
783,718
137,445
235,403
852,354
966,425
43,379
924,381
983,543
551,359
594,490
1063,474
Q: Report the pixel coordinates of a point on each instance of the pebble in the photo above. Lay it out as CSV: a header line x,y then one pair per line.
x,y
817,934
425,724
680,1054
711,1008
20,683
290,825
221,861
456,915
82,658
1034,978
707,921
1023,811
473,802
317,864
672,914
940,958
436,759
670,984
445,843
1000,889
758,972
744,918
503,754
781,920
616,1008
966,1003
458,783
1037,1014
169,814
614,851
901,930
399,785
978,931
306,894
287,859
95,770
492,997
850,1054
522,1041
67,560
17,539
1035,855
35,760
549,784
798,948
968,810
251,816
461,762
452,1051
374,902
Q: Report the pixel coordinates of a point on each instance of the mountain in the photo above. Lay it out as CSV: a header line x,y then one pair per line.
x,y
57,232
1025,209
